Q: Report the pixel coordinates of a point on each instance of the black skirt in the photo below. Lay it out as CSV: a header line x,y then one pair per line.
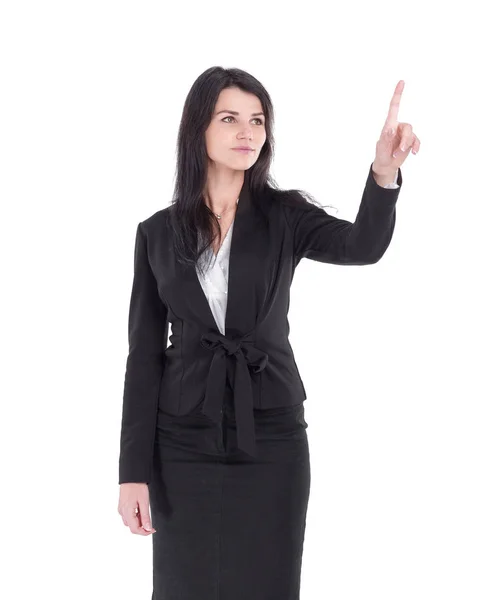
x,y
229,526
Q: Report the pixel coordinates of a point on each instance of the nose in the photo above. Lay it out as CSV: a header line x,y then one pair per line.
x,y
246,133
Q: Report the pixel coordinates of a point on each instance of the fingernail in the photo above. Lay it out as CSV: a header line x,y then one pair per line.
x,y
402,147
147,527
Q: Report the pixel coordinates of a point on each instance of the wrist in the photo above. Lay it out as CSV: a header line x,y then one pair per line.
x,y
385,177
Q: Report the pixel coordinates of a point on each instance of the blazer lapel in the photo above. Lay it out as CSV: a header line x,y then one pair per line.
x,y
247,253
195,295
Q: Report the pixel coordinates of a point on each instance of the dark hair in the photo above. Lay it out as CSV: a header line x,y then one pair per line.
x,y
192,221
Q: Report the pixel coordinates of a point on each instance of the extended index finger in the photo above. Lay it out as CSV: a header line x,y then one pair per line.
x,y
393,111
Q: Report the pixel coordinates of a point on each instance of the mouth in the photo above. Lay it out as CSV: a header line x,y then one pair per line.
x,y
243,150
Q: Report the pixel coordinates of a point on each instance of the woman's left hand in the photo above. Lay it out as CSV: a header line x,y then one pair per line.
x,y
396,140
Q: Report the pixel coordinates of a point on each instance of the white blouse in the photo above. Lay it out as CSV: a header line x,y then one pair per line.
x,y
216,278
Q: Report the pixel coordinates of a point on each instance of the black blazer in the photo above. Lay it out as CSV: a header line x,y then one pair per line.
x,y
270,236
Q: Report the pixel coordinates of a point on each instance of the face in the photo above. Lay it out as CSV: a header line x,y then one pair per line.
x,y
234,123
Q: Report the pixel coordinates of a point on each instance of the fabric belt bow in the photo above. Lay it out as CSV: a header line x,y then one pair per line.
x,y
246,356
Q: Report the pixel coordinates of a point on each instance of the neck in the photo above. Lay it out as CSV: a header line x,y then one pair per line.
x,y
222,190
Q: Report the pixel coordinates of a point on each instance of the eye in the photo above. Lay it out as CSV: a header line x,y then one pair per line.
x,y
255,119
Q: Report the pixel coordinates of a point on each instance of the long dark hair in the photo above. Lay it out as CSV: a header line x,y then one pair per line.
x,y
192,221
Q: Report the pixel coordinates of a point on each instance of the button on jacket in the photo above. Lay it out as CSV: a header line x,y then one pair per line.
x,y
268,238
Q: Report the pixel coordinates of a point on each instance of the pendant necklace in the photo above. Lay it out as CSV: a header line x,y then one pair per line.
x,y
219,216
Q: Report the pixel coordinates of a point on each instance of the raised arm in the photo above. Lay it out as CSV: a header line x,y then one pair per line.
x,y
322,237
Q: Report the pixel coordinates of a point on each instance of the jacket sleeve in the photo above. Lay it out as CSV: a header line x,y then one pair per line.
x,y
144,368
320,236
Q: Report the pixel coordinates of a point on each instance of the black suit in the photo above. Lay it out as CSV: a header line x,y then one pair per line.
x,y
269,239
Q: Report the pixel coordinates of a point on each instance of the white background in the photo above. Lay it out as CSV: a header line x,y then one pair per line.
x,y
399,359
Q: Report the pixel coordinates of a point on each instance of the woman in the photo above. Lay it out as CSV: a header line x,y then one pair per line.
x,y
213,438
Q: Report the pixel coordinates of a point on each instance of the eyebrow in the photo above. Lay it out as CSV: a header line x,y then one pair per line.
x,y
233,112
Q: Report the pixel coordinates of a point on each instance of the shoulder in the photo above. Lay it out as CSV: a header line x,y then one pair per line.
x,y
156,221
294,201
294,204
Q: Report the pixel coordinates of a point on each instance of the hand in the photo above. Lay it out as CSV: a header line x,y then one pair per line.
x,y
133,507
392,150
